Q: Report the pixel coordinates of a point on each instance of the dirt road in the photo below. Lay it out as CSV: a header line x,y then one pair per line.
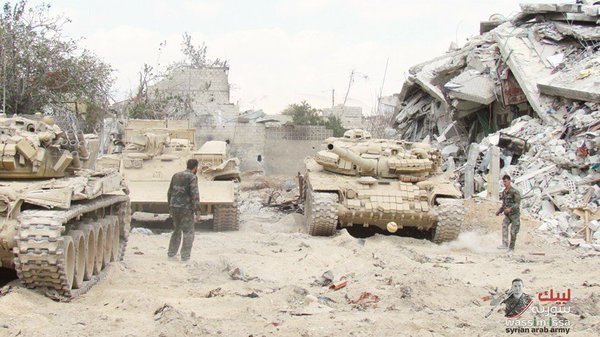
x,y
266,280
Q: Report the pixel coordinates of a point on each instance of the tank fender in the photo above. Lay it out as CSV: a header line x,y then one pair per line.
x,y
445,190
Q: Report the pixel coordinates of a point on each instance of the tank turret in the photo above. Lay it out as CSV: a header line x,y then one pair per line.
x,y
378,158
37,148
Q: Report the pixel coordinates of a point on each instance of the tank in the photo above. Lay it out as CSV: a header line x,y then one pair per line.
x,y
379,185
151,151
63,222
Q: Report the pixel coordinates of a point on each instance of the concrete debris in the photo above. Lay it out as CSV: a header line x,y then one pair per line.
x,y
529,87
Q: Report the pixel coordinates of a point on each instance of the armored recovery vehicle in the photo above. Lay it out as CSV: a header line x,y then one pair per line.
x,y
62,222
150,152
360,183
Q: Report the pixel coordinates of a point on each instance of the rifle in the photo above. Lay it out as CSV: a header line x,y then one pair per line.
x,y
499,300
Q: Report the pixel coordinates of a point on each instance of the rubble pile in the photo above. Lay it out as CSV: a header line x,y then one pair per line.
x,y
529,85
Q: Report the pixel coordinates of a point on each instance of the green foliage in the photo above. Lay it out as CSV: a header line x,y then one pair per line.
x,y
43,69
304,114
156,104
335,123
150,103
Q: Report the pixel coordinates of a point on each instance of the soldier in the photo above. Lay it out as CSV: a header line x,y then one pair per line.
x,y
511,202
184,206
518,301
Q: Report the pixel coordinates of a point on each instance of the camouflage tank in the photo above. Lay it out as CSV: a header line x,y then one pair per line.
x,y
64,223
151,151
383,185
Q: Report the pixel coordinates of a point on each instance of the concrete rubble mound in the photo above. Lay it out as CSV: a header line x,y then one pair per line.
x,y
523,99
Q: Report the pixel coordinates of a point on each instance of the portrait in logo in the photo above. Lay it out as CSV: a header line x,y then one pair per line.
x,y
523,316
515,300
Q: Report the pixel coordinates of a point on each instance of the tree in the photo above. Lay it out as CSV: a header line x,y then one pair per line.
x,y
335,123
304,114
43,70
150,102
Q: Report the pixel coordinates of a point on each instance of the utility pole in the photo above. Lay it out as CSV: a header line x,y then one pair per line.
x,y
332,98
348,90
382,83
3,76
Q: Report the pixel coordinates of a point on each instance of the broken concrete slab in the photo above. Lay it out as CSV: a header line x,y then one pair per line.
x,y
572,17
494,176
472,86
450,151
525,63
581,82
580,32
469,183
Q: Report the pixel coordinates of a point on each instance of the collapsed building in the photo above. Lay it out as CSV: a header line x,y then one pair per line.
x,y
522,98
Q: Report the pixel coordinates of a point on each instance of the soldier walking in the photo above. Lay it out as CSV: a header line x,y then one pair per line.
x,y
184,205
511,203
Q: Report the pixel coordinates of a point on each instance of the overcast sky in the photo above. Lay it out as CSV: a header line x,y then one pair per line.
x,y
281,52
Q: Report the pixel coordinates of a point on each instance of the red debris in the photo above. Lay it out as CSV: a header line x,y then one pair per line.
x,y
365,297
338,286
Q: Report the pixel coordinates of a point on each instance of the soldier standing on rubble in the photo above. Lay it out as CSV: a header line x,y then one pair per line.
x,y
511,202
184,206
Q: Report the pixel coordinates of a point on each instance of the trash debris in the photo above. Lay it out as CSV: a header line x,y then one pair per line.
x,y
366,299
217,292
250,295
285,206
325,280
338,286
158,313
238,275
142,230
6,290
138,253
325,300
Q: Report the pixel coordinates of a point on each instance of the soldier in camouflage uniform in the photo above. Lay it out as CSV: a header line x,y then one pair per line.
x,y
518,301
511,203
184,204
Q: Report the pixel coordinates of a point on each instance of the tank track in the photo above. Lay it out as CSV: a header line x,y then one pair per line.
x,y
227,217
48,258
320,211
450,213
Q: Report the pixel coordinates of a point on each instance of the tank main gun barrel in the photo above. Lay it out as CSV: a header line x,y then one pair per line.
x,y
366,165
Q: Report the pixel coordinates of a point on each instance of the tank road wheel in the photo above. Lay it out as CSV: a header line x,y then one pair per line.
x,y
105,223
450,213
68,264
89,236
320,212
225,218
80,257
100,243
124,214
114,243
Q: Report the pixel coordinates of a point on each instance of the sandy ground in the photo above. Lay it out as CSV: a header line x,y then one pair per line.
x,y
265,281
